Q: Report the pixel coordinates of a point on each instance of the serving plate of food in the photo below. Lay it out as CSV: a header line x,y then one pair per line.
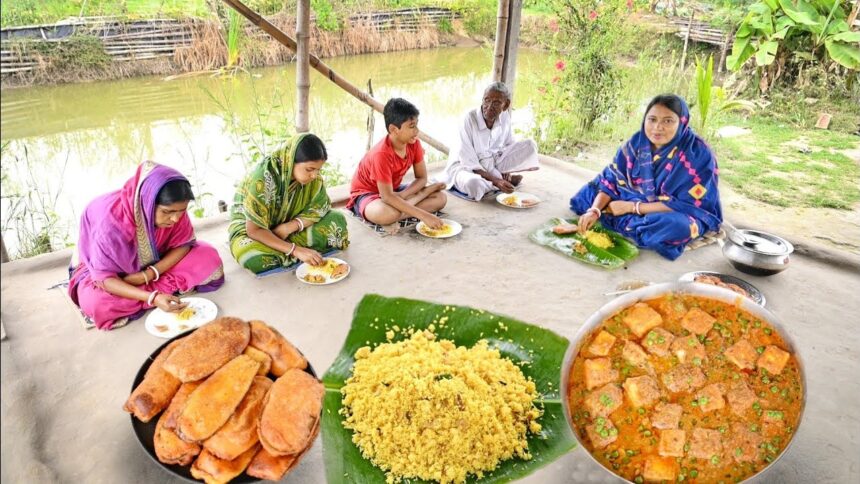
x,y
330,271
449,228
682,381
518,200
214,403
727,281
198,312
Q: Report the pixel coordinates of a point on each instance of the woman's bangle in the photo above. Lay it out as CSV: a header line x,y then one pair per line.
x,y
293,248
301,224
151,299
636,208
157,274
595,210
145,277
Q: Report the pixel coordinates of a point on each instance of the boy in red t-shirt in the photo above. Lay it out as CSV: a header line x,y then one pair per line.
x,y
376,193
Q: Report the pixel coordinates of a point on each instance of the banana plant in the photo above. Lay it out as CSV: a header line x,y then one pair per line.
x,y
711,99
801,25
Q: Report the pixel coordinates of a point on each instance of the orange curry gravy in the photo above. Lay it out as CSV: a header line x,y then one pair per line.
x,y
685,388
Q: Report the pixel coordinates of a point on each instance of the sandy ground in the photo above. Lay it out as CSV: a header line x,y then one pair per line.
x,y
63,387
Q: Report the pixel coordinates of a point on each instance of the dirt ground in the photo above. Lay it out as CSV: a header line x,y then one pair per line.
x,y
63,387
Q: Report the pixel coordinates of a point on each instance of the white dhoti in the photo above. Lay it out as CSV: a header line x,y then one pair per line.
x,y
516,157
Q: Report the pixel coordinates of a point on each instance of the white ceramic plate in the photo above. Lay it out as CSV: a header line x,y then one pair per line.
x,y
455,228
167,325
323,271
518,200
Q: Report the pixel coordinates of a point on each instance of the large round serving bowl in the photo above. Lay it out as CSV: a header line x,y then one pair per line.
x,y
681,288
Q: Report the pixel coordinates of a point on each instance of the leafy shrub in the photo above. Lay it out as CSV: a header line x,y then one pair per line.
x,y
78,52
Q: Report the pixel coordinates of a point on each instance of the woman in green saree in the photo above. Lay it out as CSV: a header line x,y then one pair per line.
x,y
281,214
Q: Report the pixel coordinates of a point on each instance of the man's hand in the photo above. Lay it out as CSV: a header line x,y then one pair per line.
x,y
504,185
432,221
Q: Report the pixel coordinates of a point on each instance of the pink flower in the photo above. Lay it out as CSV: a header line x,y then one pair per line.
x,y
542,90
553,25
559,65
629,5
592,15
555,79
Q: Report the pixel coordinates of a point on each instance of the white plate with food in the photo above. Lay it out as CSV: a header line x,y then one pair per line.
x,y
330,271
518,200
167,325
449,229
733,283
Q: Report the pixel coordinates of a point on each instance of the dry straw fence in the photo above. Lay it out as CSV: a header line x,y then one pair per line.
x,y
161,46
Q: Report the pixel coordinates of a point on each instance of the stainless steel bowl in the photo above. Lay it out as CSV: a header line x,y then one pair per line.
x,y
684,288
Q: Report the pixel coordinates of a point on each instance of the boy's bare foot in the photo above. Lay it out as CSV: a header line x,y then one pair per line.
x,y
391,229
513,179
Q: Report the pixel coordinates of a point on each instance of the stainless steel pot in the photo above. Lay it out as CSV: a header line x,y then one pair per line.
x,y
757,253
658,290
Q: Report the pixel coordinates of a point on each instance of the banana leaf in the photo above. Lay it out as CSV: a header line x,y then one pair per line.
x,y
613,257
542,349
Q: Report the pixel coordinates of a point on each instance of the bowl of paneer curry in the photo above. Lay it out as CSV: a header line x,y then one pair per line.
x,y
683,382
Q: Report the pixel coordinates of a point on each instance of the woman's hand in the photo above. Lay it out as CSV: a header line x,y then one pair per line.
x,y
135,279
168,303
587,220
286,229
308,256
619,207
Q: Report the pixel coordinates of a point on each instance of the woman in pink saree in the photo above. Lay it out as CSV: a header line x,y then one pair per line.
x,y
137,250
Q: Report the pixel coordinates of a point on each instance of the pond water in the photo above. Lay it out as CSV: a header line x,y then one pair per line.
x,y
63,145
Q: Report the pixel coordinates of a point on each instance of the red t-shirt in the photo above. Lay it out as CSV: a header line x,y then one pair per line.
x,y
382,164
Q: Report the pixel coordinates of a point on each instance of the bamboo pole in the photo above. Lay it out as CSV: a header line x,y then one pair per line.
x,y
320,66
687,41
371,122
501,38
4,256
303,83
512,43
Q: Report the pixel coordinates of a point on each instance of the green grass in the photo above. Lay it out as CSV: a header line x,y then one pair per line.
x,y
768,165
31,12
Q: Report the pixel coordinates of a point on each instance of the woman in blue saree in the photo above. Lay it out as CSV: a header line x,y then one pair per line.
x,y
661,188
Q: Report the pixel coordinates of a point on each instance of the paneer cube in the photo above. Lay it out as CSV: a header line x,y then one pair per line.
x,y
705,444
710,398
744,443
773,359
599,371
740,398
666,416
671,308
657,342
658,469
684,378
672,443
742,354
601,344
635,355
641,318
689,350
641,391
697,321
601,432
604,400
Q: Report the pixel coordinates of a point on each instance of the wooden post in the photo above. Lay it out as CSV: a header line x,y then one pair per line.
x,y
687,41
371,122
320,66
725,50
303,83
512,43
501,38
4,256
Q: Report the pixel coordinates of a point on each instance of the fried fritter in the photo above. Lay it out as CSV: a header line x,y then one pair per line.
x,y
169,448
284,355
157,388
273,468
240,432
213,470
215,400
262,358
290,413
208,348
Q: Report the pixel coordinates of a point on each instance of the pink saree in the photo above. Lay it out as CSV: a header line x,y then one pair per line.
x,y
118,237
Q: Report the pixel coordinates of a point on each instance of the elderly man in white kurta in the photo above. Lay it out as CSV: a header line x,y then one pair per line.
x,y
487,156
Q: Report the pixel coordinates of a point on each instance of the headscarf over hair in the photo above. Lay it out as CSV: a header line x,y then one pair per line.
x,y
118,235
682,174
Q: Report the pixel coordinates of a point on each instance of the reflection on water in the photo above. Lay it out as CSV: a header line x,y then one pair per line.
x,y
96,133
